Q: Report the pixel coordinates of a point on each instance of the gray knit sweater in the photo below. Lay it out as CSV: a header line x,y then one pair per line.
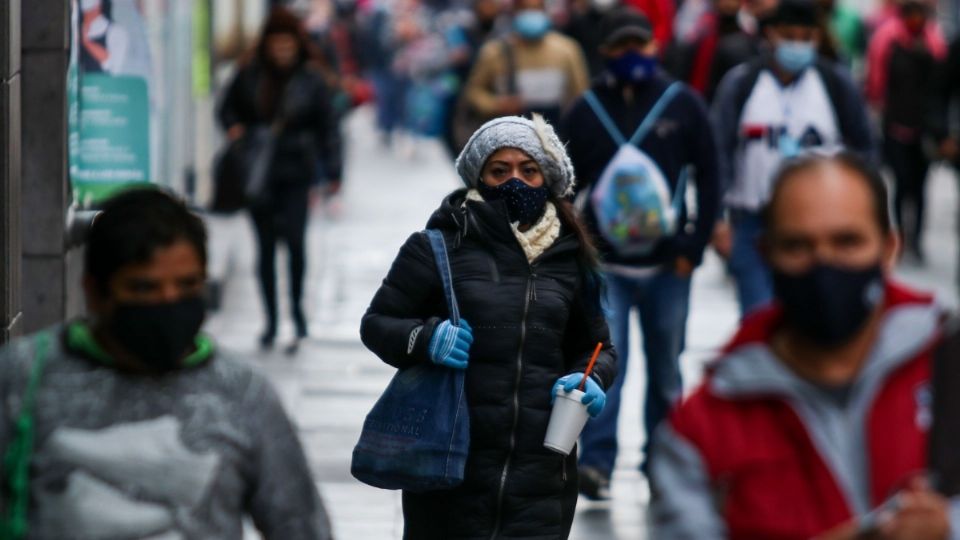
x,y
182,456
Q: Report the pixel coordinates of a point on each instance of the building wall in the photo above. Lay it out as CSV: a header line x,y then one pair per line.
x,y
47,291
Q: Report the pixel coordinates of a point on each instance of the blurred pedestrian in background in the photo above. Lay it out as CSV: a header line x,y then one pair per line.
x,y
661,14
847,31
905,54
944,115
429,46
778,106
377,32
715,44
340,39
130,423
813,422
534,70
524,274
280,95
632,93
583,26
486,20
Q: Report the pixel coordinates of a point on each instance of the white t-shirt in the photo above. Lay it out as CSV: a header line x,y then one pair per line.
x,y
779,122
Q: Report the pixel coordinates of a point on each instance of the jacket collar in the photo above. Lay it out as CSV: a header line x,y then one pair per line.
x,y
487,222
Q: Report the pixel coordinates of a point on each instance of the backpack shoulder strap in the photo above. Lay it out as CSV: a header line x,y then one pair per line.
x,y
835,92
439,247
591,98
743,91
656,111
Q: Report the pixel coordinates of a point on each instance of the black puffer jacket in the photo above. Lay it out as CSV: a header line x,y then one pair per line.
x,y
531,327
308,148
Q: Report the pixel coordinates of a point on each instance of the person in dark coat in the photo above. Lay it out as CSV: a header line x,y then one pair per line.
x,y
524,273
281,89
656,284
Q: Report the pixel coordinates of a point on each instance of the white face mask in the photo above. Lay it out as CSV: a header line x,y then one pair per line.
x,y
87,5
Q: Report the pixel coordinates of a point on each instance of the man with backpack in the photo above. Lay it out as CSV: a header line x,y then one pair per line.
x,y
130,423
782,104
633,198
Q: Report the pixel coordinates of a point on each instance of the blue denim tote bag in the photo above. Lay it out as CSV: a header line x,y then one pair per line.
x,y
417,436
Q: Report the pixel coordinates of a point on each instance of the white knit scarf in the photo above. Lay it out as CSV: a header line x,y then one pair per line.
x,y
539,237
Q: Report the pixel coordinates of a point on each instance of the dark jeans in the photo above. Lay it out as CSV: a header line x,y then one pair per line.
x,y
663,301
283,218
390,90
909,165
749,270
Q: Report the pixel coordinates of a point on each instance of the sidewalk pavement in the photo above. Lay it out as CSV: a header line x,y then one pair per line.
x,y
333,381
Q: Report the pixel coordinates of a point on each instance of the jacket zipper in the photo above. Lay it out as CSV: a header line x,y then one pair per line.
x,y
516,409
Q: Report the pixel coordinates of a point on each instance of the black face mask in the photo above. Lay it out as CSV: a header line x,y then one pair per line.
x,y
160,335
829,304
524,203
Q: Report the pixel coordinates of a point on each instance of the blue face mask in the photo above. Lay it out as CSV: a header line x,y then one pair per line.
x,y
632,67
525,204
795,56
531,24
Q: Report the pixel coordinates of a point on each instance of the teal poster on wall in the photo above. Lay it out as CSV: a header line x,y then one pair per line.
x,y
113,135
109,99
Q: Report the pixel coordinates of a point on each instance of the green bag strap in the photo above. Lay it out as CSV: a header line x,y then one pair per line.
x,y
17,458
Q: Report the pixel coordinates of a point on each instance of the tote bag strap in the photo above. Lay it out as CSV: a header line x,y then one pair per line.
x,y
446,277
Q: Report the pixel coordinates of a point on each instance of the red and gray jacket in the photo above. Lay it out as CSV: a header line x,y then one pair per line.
x,y
758,452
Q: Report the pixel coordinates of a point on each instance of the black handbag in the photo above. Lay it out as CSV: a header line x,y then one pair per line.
x,y
240,171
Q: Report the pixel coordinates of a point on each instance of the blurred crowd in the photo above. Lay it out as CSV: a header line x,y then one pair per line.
x,y
602,147
441,68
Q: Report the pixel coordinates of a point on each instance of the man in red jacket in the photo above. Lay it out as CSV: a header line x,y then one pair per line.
x,y
813,423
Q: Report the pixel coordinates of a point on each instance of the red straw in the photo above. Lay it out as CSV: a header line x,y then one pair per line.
x,y
593,360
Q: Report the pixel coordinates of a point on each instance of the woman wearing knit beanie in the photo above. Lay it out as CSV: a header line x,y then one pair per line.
x,y
524,275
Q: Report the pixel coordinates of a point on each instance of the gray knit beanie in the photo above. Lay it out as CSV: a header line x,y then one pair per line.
x,y
534,137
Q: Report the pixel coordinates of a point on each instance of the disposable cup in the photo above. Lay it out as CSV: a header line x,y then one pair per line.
x,y
566,422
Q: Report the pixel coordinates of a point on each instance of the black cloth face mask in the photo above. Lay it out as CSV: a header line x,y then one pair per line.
x,y
829,304
160,335
525,204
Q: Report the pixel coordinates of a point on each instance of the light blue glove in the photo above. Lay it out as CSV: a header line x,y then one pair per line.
x,y
593,396
450,345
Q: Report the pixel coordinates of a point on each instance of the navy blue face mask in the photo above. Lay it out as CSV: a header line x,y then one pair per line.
x,y
525,204
829,304
632,67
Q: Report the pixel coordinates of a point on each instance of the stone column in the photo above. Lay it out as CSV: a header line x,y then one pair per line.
x,y
48,289
10,315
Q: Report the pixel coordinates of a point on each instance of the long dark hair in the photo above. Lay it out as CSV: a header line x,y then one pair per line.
x,y
588,257
284,21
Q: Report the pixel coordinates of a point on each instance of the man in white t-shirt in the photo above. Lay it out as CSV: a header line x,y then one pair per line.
x,y
778,106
